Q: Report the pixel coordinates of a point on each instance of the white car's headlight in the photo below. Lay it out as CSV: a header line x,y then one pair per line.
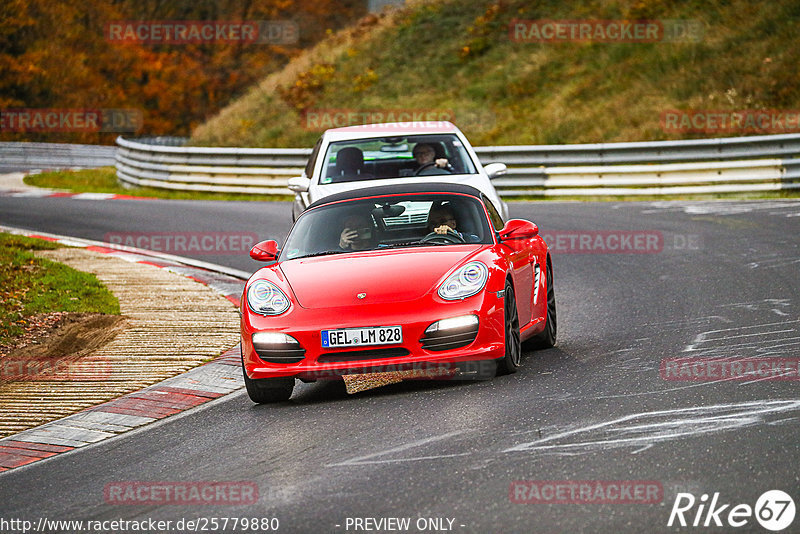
x,y
465,282
265,298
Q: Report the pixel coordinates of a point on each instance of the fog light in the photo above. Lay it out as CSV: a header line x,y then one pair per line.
x,y
452,333
272,338
454,323
277,347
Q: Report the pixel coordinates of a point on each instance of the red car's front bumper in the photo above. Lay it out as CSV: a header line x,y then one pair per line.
x,y
315,362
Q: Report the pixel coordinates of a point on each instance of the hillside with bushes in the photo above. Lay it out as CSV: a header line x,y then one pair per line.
x,y
461,59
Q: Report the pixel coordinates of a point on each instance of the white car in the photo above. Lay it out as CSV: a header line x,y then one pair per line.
x,y
357,157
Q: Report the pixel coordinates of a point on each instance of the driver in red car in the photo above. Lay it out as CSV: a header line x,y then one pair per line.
x,y
441,220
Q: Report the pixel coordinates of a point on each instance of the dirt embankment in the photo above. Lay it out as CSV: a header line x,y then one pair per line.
x,y
63,335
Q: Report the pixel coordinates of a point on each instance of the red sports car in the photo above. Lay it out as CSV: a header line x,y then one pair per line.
x,y
395,278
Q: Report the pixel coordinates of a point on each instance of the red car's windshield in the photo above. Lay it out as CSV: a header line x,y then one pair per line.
x,y
388,222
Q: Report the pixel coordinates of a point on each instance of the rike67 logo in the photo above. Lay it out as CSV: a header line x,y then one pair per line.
x,y
774,510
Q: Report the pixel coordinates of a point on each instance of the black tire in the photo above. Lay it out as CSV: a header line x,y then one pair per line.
x,y
547,338
512,359
268,390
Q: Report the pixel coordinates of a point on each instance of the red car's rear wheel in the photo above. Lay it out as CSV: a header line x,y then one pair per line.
x,y
511,361
547,338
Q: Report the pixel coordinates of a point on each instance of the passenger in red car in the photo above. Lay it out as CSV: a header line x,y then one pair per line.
x,y
357,233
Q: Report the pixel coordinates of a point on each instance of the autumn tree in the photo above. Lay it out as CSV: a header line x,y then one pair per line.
x,y
58,55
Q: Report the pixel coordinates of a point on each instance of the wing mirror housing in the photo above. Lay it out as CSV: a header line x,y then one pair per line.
x,y
518,229
265,251
494,170
299,184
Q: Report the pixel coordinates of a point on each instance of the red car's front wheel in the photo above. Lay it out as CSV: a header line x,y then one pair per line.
x,y
267,390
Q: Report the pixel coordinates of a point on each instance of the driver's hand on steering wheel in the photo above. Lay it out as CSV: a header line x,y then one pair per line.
x,y
442,163
443,229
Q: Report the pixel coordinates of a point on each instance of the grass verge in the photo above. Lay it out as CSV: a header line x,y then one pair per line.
x,y
104,180
31,285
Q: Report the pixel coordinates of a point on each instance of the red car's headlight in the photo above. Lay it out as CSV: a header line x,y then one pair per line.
x,y
465,282
266,299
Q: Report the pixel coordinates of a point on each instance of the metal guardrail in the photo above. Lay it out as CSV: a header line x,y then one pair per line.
x,y
647,179
726,148
737,164
55,155
792,167
725,165
221,170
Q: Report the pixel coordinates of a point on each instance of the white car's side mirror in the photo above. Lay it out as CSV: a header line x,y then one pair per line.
x,y
493,170
299,184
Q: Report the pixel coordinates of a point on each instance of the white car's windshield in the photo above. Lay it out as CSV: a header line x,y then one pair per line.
x,y
394,157
395,221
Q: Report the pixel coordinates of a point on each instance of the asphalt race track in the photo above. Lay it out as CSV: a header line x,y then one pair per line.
x,y
708,280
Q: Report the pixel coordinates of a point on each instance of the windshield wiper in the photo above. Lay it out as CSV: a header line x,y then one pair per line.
x,y
379,247
406,244
323,253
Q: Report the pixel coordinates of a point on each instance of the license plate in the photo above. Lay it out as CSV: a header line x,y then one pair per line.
x,y
357,337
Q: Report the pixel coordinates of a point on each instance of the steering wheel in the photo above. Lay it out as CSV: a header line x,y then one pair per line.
x,y
423,167
443,239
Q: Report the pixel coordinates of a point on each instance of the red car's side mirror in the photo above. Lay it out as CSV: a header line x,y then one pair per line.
x,y
518,229
265,251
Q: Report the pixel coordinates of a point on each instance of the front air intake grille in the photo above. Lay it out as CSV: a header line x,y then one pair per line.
x,y
449,339
280,352
357,355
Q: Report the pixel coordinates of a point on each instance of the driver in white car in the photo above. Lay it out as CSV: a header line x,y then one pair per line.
x,y
425,156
